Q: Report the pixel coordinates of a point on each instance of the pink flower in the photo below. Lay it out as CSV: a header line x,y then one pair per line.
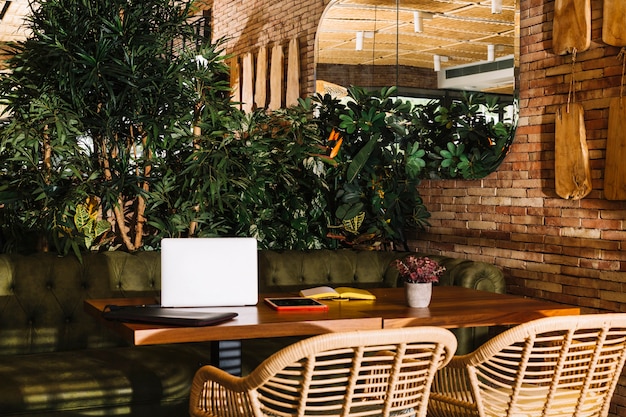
x,y
414,269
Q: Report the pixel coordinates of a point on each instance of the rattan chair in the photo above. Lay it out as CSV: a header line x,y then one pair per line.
x,y
367,373
551,367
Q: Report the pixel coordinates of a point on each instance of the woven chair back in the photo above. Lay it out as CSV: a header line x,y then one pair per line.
x,y
553,367
367,373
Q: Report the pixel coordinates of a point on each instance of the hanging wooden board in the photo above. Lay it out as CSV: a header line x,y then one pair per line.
x,y
276,78
247,85
235,79
572,169
293,74
615,165
571,27
614,22
260,86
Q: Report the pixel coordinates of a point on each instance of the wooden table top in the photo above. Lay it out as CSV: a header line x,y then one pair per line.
x,y
451,307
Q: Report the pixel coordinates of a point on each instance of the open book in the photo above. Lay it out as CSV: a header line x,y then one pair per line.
x,y
347,293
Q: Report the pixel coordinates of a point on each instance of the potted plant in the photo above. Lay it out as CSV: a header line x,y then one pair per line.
x,y
418,274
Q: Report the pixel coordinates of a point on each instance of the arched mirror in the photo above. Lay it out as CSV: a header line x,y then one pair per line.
x,y
427,48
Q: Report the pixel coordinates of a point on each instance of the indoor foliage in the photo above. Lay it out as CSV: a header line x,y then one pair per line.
x,y
102,98
374,196
283,199
461,140
381,148
122,132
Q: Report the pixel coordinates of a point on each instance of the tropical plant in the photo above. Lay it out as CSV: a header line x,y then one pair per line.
x,y
89,225
284,201
461,140
373,172
122,132
256,179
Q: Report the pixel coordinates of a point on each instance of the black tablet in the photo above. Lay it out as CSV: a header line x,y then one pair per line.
x,y
295,303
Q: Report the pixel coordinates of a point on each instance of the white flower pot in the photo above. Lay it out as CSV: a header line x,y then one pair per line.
x,y
418,294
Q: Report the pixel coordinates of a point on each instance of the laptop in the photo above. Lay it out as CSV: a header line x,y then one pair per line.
x,y
209,272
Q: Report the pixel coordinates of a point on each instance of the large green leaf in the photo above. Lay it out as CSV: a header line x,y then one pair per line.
x,y
361,159
414,160
348,211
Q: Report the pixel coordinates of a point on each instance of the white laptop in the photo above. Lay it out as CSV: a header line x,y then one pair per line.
x,y
209,272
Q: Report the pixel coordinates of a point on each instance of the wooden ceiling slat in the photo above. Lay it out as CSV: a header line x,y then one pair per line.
x,y
470,27
431,6
483,12
355,13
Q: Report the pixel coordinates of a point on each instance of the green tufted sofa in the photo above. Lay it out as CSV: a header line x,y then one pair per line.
x,y
55,360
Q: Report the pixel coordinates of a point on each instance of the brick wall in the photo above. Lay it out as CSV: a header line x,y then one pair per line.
x,y
250,24
569,251
565,250
377,76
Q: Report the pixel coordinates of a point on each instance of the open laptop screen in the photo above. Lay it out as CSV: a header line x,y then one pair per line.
x,y
209,272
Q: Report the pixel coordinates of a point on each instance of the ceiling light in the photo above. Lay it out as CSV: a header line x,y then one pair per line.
x,y
359,41
491,53
418,21
496,6
437,63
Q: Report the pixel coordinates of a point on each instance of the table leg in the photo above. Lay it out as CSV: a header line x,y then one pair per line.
x,y
226,355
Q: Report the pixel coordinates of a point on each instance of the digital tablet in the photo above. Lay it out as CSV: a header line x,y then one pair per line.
x,y
295,303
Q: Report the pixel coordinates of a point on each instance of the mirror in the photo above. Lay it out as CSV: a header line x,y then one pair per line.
x,y
427,48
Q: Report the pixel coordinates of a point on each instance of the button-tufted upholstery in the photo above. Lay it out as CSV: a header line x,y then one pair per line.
x,y
41,297
55,360
292,270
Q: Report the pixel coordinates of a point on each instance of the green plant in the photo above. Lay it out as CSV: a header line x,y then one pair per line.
x,y
123,104
103,99
89,225
379,147
283,202
374,175
461,140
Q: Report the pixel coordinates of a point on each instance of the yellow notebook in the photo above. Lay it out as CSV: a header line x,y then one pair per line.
x,y
347,293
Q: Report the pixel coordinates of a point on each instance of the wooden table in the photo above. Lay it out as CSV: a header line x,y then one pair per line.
x,y
451,307
455,307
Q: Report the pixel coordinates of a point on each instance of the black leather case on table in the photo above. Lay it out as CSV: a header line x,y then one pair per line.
x,y
166,315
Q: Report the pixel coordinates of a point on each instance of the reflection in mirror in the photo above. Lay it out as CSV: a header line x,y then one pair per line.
x,y
455,60
427,48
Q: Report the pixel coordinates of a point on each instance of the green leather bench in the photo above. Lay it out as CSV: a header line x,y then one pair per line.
x,y
55,360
